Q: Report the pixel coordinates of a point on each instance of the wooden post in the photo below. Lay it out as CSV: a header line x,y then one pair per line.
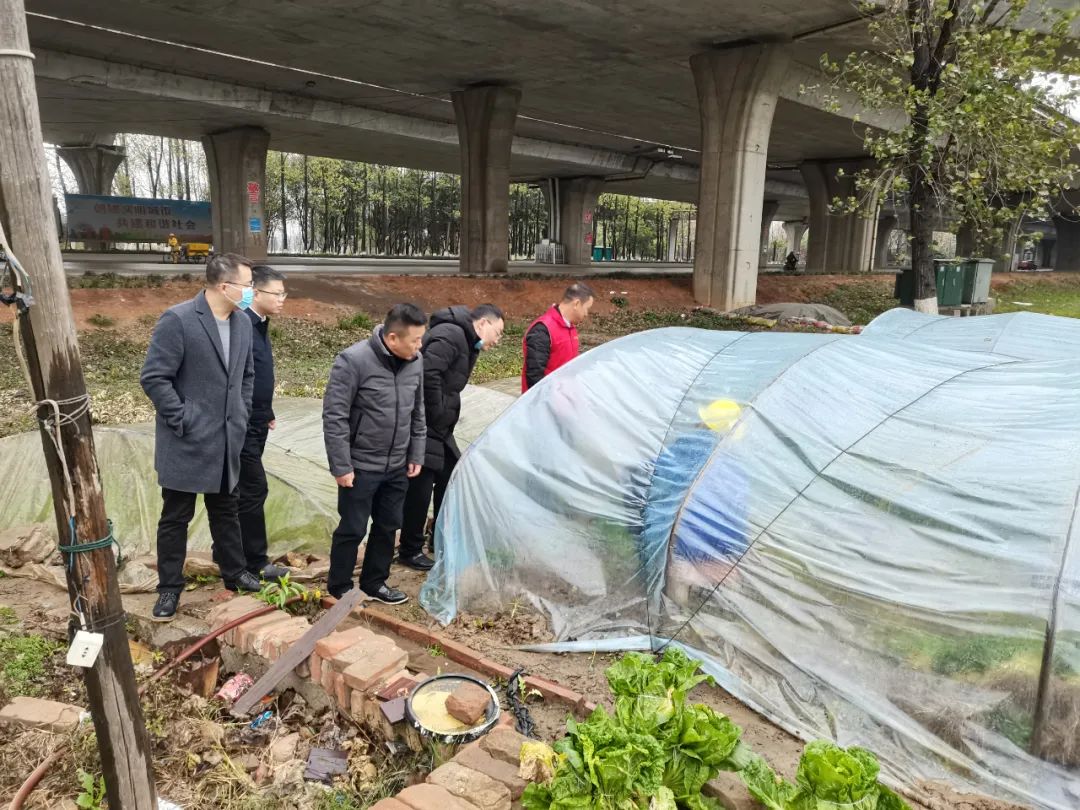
x,y
49,340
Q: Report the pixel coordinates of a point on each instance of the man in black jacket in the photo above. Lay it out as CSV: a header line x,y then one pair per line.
x,y
454,340
269,299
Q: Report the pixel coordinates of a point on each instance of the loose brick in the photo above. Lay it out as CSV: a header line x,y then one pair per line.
x,y
342,693
432,797
505,744
263,641
475,757
356,706
363,675
289,636
244,636
326,648
316,663
360,651
28,712
473,786
233,608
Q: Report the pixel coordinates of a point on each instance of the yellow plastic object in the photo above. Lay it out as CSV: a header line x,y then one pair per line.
x,y
537,762
720,415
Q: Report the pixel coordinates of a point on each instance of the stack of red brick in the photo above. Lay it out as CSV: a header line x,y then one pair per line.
x,y
482,776
352,666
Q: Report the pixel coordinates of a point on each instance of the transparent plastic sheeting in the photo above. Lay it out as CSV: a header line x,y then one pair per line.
x,y
301,510
877,552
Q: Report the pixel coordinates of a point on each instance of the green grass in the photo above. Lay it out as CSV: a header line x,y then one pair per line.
x,y
23,664
1056,296
862,301
91,280
102,321
359,321
8,615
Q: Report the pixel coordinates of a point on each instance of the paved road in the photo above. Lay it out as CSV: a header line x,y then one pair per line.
x,y
145,264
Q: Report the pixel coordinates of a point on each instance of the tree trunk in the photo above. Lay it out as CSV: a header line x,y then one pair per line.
x,y
284,209
47,331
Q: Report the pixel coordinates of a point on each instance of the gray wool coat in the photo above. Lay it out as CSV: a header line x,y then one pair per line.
x,y
202,409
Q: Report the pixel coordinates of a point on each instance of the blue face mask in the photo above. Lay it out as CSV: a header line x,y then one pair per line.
x,y
245,298
480,345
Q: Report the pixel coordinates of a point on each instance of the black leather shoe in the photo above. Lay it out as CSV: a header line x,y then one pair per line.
x,y
272,573
388,595
165,608
418,562
247,581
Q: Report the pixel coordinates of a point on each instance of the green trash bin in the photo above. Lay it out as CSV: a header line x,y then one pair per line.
x,y
597,254
950,283
977,274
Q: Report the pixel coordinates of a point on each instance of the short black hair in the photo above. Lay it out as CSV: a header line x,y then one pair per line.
x,y
402,316
262,273
486,312
578,291
225,267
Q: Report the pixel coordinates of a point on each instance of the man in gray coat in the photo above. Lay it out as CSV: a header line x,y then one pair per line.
x,y
199,375
375,434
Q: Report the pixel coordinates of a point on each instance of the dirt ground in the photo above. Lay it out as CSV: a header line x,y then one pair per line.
x,y
326,298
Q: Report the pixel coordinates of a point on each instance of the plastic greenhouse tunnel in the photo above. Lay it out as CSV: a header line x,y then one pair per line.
x,y
867,538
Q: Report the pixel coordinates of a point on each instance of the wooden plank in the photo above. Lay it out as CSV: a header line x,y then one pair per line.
x,y
297,653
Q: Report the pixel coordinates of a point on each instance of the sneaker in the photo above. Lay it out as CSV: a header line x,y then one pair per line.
x,y
247,581
165,608
418,562
388,595
272,573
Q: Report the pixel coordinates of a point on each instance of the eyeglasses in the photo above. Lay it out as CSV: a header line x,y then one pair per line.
x,y
280,296
241,286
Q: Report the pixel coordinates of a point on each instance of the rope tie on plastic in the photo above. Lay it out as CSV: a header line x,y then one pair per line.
x,y
95,545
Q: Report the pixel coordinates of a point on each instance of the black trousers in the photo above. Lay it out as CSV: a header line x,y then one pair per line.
x,y
380,497
417,500
252,491
176,514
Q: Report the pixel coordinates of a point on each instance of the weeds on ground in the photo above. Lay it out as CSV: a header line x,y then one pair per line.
x,y
1056,296
360,320
23,664
280,591
861,301
7,614
91,280
102,321
93,791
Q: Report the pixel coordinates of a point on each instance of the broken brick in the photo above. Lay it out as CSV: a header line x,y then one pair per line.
x,y
360,651
29,712
469,703
431,797
472,786
504,743
475,757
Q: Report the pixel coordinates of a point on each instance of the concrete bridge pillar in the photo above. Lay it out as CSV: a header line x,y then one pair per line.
x,y
839,243
737,90
571,204
1067,244
485,123
94,165
794,232
885,226
768,213
236,160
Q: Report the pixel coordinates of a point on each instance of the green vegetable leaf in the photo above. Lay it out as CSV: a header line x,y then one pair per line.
x,y
765,786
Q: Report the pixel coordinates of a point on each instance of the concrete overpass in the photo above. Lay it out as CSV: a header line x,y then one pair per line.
x,y
703,102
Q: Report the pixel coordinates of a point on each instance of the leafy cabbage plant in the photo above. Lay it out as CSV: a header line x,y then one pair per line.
x,y
829,778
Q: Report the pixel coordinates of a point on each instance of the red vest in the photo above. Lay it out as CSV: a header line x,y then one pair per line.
x,y
564,342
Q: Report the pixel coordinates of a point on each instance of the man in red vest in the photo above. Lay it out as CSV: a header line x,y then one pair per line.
x,y
552,339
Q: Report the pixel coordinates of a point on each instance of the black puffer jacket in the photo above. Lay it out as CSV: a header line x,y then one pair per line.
x,y
449,356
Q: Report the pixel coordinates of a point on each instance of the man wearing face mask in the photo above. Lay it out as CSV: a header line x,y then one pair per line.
x,y
454,340
373,427
199,374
